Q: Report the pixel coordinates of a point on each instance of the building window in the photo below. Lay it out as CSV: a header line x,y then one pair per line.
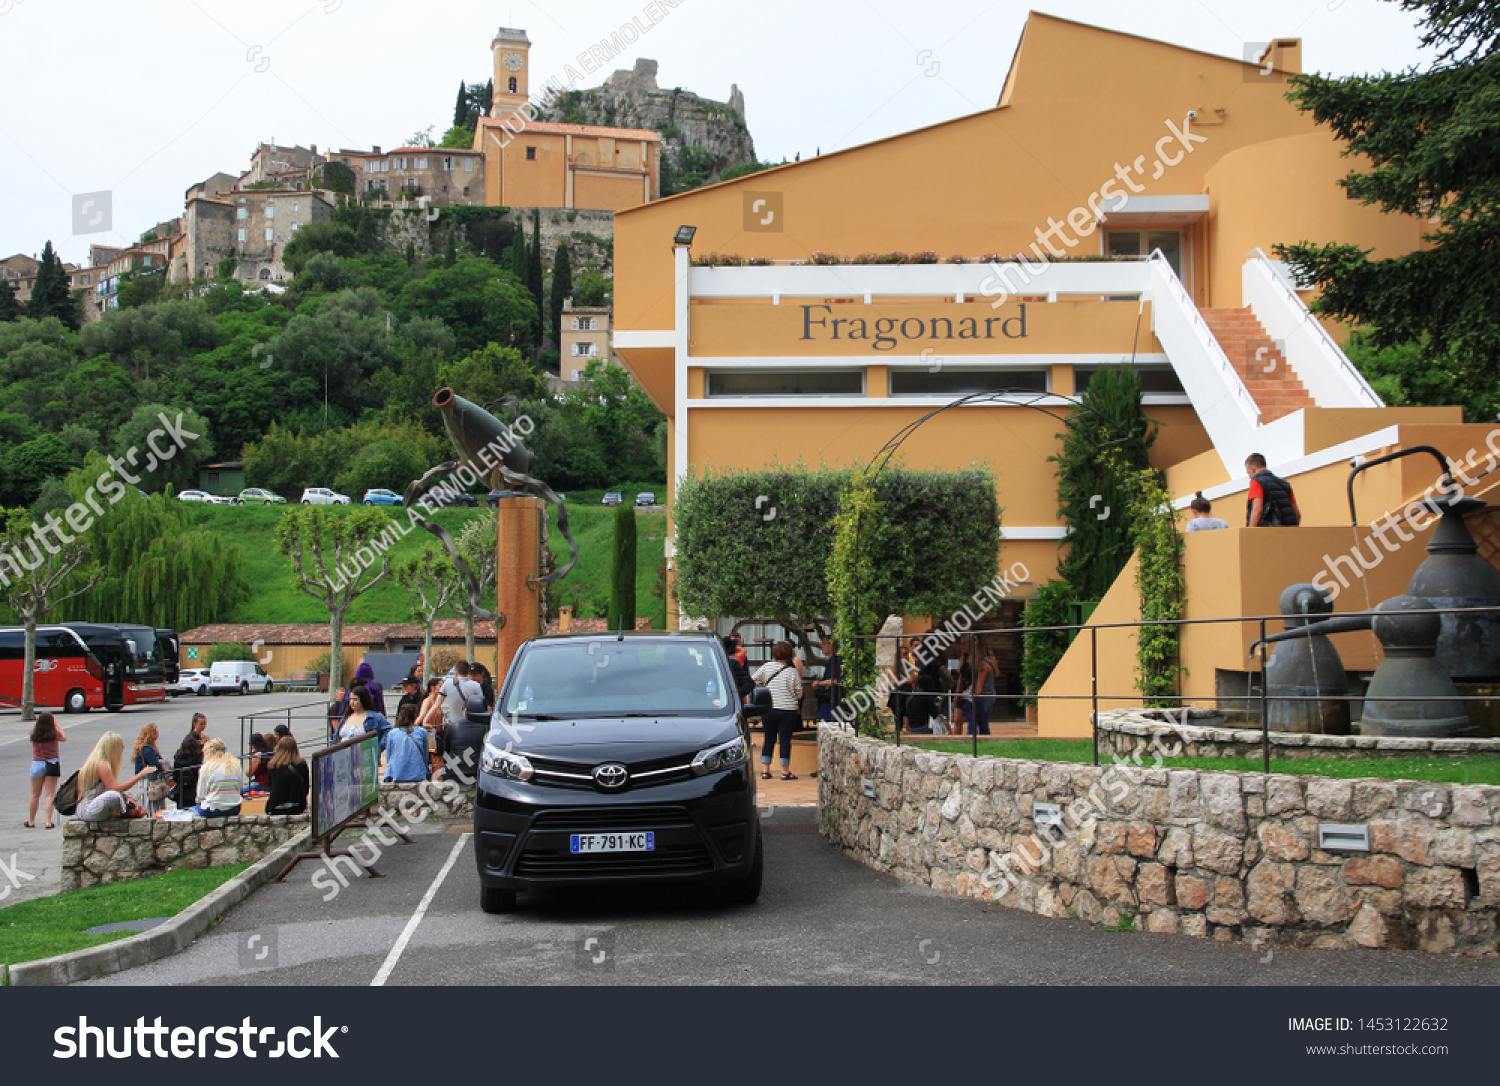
x,y
1155,377
420,163
270,211
513,84
270,234
242,234
294,227
531,154
244,213
400,163
466,189
468,165
583,324
787,383
585,350
296,207
961,382
447,162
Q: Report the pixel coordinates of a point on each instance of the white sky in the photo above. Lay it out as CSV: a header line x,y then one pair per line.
x,y
145,98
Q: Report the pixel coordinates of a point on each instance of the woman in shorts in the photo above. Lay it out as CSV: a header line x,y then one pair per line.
x,y
45,767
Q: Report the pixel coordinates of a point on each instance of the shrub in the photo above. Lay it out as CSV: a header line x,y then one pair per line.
x,y
229,650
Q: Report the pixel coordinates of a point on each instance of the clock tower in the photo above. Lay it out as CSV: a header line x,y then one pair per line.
x,y
512,67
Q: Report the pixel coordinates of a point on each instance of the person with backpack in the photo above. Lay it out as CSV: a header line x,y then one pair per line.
x,y
1271,503
405,748
456,690
744,685
782,677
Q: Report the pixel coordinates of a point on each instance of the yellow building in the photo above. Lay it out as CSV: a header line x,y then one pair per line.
x,y
530,163
585,337
1131,218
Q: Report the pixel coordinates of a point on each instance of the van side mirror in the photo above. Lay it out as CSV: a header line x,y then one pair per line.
x,y
760,701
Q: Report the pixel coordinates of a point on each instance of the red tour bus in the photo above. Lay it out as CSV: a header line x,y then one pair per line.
x,y
81,666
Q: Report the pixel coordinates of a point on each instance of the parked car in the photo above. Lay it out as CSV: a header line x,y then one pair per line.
x,y
495,496
321,495
381,496
256,496
191,681
440,497
237,676
638,772
197,496
614,497
645,498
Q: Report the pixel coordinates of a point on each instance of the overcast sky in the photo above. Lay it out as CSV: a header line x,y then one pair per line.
x,y
143,99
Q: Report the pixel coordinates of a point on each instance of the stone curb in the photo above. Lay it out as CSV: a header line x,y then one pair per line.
x,y
173,937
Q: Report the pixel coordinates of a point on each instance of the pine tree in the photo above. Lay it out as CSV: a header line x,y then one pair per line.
x,y
622,571
50,295
10,309
562,286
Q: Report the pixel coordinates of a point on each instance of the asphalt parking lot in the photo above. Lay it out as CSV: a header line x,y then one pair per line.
x,y
822,918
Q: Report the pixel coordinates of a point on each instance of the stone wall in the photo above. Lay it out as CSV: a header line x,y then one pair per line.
x,y
1127,732
1228,856
119,850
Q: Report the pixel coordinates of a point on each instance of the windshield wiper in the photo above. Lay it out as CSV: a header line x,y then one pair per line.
x,y
531,716
623,715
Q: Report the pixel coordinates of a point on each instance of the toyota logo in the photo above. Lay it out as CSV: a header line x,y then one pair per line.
x,y
611,776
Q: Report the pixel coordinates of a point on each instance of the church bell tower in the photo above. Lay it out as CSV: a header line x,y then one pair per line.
x,y
512,71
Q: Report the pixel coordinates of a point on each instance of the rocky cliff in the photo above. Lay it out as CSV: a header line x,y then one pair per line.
x,y
700,138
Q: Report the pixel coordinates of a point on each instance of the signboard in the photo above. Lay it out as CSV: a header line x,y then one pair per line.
x,y
345,782
192,653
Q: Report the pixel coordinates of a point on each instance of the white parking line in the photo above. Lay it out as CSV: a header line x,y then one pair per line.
x,y
416,918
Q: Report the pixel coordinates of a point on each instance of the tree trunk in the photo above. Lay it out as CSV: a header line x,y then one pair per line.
x,y
468,632
28,677
336,650
426,655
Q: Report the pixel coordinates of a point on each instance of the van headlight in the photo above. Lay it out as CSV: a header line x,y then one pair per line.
x,y
505,764
722,757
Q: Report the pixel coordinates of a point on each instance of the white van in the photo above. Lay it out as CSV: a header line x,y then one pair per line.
x,y
240,676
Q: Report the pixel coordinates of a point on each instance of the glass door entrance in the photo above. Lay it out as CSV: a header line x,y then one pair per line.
x,y
1144,243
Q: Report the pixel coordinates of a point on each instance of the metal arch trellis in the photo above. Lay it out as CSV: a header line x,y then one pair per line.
x,y
1018,397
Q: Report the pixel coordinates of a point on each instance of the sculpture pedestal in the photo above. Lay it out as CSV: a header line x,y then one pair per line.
x,y
517,587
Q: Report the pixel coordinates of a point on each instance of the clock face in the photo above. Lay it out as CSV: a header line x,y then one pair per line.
x,y
513,61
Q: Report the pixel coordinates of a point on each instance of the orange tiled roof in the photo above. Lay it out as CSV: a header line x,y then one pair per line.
x,y
550,128
316,633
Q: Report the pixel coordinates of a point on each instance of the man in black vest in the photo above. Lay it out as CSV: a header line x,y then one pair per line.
x,y
1271,503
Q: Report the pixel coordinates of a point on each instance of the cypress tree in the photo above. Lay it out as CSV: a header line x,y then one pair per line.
x,y
10,309
562,287
461,107
534,278
1092,499
519,261
622,570
50,295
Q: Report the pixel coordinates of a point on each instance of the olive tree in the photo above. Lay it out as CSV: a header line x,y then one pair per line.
x,y
430,580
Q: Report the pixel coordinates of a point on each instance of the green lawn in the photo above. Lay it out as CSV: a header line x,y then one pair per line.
x,y
1478,769
49,926
275,598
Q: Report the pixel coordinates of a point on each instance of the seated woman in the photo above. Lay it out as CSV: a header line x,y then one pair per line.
x,y
101,792
405,748
219,782
922,706
256,763
288,775
185,766
363,718
146,757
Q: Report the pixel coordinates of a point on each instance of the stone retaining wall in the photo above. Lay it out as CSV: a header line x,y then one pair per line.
x,y
120,849
1229,856
1128,732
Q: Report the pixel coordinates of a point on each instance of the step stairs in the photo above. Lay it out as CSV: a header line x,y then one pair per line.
x,y
1268,377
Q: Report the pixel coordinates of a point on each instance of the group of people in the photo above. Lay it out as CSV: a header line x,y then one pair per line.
x,y
932,698
422,715
785,676
203,776
1269,502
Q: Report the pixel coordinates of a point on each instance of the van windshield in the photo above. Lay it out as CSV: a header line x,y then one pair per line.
x,y
613,678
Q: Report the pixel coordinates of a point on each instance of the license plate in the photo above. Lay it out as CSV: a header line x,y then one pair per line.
x,y
613,842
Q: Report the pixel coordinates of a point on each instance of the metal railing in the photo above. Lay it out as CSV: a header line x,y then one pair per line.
x,y
1261,699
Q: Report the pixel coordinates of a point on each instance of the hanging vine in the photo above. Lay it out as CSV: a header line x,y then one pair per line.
x,y
1159,583
852,586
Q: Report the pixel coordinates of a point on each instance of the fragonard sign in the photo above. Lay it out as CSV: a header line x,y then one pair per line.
x,y
819,323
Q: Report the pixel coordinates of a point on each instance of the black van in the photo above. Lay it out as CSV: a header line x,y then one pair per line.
x,y
617,759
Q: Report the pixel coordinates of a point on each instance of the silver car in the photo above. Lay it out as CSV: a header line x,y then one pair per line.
x,y
321,495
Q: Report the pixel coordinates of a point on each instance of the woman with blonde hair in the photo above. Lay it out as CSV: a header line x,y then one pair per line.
x,y
101,793
219,782
46,768
145,756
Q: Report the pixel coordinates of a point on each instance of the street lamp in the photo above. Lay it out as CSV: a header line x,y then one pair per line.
x,y
684,235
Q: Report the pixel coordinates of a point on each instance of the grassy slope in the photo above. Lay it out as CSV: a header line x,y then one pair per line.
x,y
276,598
1477,769
55,925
